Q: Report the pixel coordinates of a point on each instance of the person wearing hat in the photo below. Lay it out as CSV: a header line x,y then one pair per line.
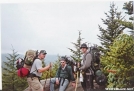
x,y
87,83
36,72
63,76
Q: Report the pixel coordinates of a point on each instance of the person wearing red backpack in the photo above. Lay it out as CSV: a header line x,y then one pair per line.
x,y
36,72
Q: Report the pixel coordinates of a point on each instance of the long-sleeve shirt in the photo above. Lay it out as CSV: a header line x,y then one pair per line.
x,y
65,73
87,58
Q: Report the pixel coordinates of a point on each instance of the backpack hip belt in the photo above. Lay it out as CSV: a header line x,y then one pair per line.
x,y
32,75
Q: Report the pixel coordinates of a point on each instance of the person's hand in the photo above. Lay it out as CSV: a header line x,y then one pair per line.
x,y
50,65
73,84
57,81
77,69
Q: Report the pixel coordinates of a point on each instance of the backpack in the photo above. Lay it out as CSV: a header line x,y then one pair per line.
x,y
24,66
95,63
100,78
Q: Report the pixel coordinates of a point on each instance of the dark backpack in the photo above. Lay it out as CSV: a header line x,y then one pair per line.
x,y
95,63
100,78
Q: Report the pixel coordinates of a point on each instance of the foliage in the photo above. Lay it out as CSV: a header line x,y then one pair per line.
x,y
120,60
10,80
77,53
114,28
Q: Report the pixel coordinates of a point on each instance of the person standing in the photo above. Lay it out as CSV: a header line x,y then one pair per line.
x,y
36,72
87,83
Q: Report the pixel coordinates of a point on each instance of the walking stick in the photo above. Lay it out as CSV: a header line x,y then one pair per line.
x,y
78,65
50,76
45,82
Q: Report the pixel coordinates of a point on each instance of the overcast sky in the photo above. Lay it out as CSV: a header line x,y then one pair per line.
x,y
52,25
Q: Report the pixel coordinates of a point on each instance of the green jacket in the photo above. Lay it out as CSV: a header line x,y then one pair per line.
x,y
66,73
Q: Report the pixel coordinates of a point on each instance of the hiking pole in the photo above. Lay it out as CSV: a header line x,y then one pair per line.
x,y
77,77
50,75
45,82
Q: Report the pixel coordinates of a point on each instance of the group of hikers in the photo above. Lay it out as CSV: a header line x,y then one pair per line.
x,y
64,74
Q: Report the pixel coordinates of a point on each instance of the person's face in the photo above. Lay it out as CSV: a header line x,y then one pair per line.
x,y
62,63
83,50
42,55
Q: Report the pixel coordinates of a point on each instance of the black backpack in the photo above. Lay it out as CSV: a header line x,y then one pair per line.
x,y
19,63
100,78
95,53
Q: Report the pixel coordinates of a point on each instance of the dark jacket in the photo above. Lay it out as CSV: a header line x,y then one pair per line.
x,y
66,73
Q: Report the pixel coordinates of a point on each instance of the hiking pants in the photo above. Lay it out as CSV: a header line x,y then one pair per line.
x,y
34,84
62,87
87,83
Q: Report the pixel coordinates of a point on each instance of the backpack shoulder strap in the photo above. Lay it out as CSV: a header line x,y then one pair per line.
x,y
86,55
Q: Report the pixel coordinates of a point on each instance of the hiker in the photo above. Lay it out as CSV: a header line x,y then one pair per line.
x,y
63,76
36,72
87,83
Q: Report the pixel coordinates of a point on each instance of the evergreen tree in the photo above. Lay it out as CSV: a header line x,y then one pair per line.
x,y
114,28
51,72
119,62
77,53
10,80
128,6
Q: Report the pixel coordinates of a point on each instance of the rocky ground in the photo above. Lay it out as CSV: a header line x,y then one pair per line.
x,y
69,88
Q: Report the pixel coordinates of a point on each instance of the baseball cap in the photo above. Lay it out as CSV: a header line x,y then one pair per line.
x,y
43,51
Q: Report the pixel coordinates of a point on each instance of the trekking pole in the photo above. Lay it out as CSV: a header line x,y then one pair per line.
x,y
77,78
45,82
50,75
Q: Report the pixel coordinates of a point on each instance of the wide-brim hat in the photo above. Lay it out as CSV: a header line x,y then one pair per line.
x,y
84,46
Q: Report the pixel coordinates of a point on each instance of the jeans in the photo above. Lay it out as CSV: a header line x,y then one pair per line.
x,y
62,87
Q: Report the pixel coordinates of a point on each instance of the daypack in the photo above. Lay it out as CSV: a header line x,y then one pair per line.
x,y
24,66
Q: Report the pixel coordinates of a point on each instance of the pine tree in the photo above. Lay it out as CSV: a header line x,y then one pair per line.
x,y
47,74
128,6
77,53
114,28
119,62
10,80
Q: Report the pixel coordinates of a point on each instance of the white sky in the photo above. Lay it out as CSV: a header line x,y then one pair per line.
x,y
51,25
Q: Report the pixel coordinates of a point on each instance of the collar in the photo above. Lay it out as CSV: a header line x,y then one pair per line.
x,y
64,66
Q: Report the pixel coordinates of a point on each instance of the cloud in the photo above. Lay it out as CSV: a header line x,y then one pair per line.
x,y
50,26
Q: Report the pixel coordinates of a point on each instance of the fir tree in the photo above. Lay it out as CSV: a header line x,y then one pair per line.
x,y
114,28
119,62
77,53
128,6
10,80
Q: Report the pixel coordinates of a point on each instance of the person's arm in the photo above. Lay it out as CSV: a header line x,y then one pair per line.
x,y
87,62
39,67
44,69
